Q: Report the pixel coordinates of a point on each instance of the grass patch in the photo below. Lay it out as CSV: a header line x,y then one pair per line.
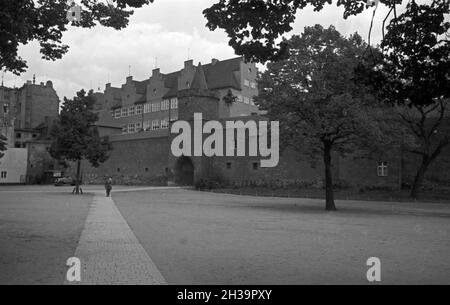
x,y
441,196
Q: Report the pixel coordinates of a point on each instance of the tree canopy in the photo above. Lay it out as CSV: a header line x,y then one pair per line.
x,y
412,72
45,21
75,136
312,93
255,26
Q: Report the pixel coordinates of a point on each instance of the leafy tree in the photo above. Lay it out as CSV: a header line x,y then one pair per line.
x,y
75,135
3,140
229,98
22,21
413,73
320,109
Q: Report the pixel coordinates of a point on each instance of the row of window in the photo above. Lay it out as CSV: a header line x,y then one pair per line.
x,y
3,175
250,84
145,108
147,126
245,100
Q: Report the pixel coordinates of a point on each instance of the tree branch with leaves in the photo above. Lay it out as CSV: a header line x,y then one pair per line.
x,y
255,27
411,72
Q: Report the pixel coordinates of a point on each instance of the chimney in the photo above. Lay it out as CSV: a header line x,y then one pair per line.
x,y
155,72
189,63
129,79
34,79
108,85
42,84
214,61
28,82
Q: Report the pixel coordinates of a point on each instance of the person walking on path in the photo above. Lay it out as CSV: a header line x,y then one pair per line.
x,y
108,186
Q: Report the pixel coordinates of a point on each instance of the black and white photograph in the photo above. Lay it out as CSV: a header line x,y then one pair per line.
x,y
223,149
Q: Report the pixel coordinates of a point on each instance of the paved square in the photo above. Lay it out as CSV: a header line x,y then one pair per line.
x,y
158,235
204,238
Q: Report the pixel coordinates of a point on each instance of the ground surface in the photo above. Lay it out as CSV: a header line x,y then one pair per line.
x,y
206,238
38,233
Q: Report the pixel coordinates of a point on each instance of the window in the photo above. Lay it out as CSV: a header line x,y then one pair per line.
x,y
147,108
138,127
246,100
255,165
228,165
139,109
18,135
155,107
246,83
165,105
382,169
252,102
155,125
253,85
5,108
118,169
131,111
174,103
124,112
131,128
174,117
147,125
117,113
125,129
3,175
164,123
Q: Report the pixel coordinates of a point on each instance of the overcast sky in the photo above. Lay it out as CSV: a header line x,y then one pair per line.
x,y
169,30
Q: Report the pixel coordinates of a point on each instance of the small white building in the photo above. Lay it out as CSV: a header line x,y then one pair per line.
x,y
13,166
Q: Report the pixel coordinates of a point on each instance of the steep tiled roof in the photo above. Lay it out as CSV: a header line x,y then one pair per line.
x,y
217,75
171,82
141,87
220,74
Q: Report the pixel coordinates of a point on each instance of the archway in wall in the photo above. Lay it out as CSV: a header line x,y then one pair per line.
x,y
184,171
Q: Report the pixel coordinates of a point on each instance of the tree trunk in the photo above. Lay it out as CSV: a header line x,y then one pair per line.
x,y
419,177
77,181
426,161
329,195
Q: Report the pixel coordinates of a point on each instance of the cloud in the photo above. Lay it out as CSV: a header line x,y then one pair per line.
x,y
99,55
164,33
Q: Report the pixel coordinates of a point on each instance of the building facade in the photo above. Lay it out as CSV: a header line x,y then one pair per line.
x,y
137,117
26,116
